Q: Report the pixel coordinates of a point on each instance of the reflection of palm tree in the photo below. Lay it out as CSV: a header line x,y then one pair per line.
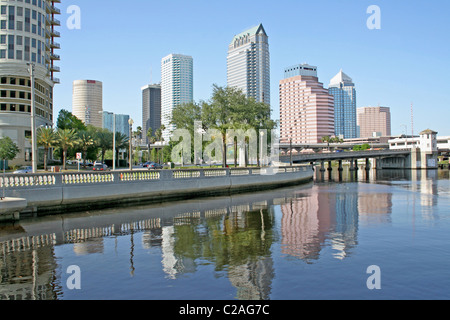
x,y
121,142
66,139
46,138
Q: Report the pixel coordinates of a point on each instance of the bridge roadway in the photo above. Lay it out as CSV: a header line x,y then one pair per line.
x,y
339,156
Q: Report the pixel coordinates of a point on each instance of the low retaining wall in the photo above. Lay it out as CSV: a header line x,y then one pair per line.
x,y
59,192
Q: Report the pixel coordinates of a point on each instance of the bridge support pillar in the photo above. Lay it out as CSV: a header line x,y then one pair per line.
x,y
322,166
329,166
356,164
340,166
367,164
352,165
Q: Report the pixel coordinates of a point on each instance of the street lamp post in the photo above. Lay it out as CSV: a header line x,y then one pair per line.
x,y
130,122
34,155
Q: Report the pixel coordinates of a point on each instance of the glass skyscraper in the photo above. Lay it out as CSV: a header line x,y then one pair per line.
x,y
248,64
122,124
344,92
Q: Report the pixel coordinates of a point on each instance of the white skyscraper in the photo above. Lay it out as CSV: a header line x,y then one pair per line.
x,y
177,87
248,63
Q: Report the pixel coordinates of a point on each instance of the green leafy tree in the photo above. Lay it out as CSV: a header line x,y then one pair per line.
x,y
66,120
47,139
8,151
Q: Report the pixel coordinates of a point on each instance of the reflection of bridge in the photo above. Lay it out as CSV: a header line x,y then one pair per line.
x,y
352,157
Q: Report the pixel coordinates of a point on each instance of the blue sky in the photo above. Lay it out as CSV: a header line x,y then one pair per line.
x,y
121,43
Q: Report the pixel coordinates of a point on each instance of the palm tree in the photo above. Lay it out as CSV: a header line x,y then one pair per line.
x,y
122,142
46,138
151,140
159,133
104,141
85,140
66,139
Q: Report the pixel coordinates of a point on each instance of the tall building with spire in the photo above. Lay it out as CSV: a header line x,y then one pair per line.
x,y
27,37
344,92
248,63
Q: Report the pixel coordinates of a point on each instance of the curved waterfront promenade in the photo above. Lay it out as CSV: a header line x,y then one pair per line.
x,y
64,192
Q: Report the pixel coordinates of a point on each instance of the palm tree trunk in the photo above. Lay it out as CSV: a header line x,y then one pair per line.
x,y
45,158
64,159
224,154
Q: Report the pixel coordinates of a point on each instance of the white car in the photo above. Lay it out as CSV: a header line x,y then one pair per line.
x,y
24,170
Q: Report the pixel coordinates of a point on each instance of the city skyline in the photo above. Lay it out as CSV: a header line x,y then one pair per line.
x,y
381,62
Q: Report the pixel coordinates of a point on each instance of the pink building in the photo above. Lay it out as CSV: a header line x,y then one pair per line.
x,y
306,107
374,121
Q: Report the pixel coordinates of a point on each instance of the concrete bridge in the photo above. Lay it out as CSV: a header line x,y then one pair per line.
x,y
400,157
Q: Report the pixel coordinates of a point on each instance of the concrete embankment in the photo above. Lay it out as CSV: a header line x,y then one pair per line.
x,y
65,192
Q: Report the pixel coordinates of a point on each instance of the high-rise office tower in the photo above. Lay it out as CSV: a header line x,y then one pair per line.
x,y
27,36
306,107
177,87
374,121
87,102
121,122
151,109
248,64
344,92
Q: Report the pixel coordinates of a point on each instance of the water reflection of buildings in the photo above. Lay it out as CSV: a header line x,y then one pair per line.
x,y
424,183
329,218
237,232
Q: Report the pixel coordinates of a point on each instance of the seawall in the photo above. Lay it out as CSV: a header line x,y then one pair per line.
x,y
67,192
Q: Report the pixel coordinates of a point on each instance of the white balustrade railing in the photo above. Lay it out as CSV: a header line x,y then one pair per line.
x,y
77,178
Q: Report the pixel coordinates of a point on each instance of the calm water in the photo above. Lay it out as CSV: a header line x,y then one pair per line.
x,y
313,241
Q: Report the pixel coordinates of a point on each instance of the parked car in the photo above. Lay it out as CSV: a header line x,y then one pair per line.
x,y
24,170
100,167
154,166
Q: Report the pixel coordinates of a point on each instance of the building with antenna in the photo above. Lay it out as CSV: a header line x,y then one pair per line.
x,y
151,109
